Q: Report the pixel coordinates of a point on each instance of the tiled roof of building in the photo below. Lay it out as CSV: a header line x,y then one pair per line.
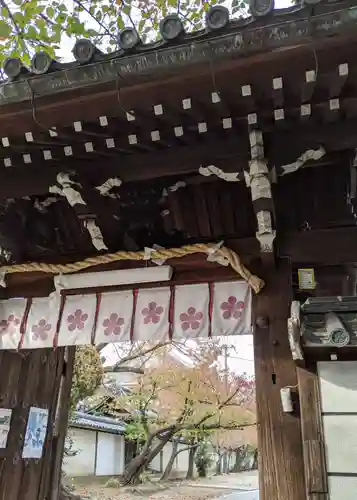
x,y
82,420
223,38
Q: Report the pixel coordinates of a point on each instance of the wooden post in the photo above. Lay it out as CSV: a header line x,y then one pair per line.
x,y
312,434
279,434
29,378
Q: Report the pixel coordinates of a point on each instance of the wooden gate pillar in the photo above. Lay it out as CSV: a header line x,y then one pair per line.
x,y
312,433
279,434
40,378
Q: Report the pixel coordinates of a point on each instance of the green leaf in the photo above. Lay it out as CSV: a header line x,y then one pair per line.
x,y
5,29
120,23
32,33
50,12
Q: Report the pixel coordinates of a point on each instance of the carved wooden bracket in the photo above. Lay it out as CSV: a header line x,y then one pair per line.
x,y
260,187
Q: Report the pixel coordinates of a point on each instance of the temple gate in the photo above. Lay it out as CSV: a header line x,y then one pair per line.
x,y
213,173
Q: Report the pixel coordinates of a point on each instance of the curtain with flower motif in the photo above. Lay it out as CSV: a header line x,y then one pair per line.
x,y
156,314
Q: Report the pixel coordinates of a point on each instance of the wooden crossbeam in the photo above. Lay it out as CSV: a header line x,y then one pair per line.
x,y
338,80
25,180
308,86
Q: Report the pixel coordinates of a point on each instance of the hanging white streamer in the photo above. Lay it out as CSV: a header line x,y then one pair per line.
x,y
226,176
2,279
95,234
108,185
73,197
310,154
148,252
42,205
214,257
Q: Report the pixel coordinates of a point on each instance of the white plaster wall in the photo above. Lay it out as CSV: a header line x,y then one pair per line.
x,y
338,386
343,488
338,381
182,459
180,464
110,455
341,443
82,464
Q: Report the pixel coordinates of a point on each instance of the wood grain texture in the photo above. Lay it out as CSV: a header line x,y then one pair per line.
x,y
279,434
312,433
28,379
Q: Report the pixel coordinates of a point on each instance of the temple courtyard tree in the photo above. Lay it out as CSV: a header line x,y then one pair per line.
x,y
185,401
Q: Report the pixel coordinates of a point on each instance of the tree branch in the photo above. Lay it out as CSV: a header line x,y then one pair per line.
x,y
138,354
124,369
16,26
80,4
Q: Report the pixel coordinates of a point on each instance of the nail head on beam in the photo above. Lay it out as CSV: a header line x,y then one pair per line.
x,y
158,109
277,83
155,135
246,90
343,69
178,131
279,114
186,103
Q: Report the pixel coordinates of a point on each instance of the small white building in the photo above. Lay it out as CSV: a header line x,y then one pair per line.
x,y
99,449
98,445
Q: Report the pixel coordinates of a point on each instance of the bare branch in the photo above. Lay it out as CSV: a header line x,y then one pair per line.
x,y
124,369
139,354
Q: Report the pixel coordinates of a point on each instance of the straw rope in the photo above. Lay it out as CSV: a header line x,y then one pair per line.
x,y
162,254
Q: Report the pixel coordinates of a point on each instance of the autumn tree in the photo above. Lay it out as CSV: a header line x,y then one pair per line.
x,y
87,374
182,398
28,26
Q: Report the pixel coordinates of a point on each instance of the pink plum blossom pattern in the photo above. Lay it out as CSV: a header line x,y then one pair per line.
x,y
9,325
113,324
152,313
41,330
77,320
232,309
191,319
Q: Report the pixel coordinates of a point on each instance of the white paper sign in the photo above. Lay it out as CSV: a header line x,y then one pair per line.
x,y
35,433
5,419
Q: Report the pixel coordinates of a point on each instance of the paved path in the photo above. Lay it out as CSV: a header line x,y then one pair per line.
x,y
241,495
241,481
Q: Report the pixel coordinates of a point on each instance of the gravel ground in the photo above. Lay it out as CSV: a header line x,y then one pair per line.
x,y
179,492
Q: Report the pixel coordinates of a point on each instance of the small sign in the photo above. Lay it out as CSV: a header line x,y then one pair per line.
x,y
5,419
306,279
35,433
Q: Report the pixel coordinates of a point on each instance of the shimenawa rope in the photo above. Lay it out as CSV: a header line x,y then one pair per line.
x,y
160,254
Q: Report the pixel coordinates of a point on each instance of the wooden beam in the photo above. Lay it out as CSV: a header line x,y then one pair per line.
x,y
319,247
190,269
27,180
30,379
308,86
312,433
278,92
262,197
279,433
338,80
21,181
